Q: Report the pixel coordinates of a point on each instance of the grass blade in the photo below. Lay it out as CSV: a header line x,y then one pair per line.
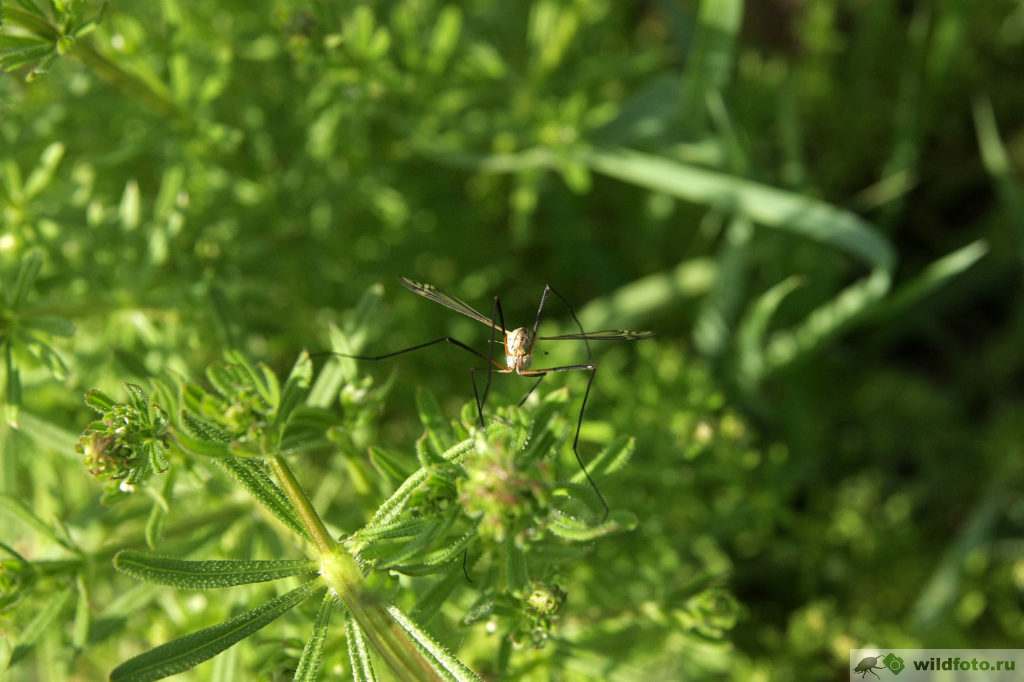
x,y
996,160
205,575
191,650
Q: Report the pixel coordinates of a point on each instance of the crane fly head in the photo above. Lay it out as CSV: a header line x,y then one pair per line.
x,y
518,348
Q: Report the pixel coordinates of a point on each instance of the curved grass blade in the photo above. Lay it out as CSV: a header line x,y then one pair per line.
x,y
777,209
358,652
644,298
191,650
444,662
205,575
312,658
751,332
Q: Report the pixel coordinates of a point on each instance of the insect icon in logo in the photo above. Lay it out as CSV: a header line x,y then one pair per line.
x,y
867,665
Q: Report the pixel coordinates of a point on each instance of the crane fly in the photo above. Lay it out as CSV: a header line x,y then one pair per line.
x,y
518,346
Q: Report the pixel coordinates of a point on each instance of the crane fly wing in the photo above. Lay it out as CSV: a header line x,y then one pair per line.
x,y
430,292
602,335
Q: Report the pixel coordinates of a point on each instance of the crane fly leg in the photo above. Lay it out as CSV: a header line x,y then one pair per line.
x,y
592,369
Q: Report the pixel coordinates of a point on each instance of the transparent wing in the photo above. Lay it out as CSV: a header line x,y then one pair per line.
x,y
430,292
602,335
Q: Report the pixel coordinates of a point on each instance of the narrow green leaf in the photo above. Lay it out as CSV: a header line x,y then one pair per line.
x,y
573,529
517,576
252,474
429,604
50,324
130,210
437,429
312,657
750,336
46,434
259,377
996,159
434,561
28,270
447,665
46,615
191,650
21,511
399,529
337,371
436,530
358,652
643,299
393,506
13,393
612,458
83,615
49,356
296,388
205,575
390,464
41,176
768,206
936,275
709,63
713,329
200,446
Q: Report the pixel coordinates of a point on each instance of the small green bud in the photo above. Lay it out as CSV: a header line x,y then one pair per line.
x,y
65,44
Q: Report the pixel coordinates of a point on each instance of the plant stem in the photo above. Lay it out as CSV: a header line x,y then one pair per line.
x,y
310,519
342,574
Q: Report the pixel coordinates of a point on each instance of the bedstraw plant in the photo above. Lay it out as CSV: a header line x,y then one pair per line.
x,y
486,512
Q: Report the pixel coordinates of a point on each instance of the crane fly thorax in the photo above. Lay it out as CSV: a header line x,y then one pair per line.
x,y
518,348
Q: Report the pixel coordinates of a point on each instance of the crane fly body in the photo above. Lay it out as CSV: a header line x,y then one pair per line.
x,y
518,346
518,350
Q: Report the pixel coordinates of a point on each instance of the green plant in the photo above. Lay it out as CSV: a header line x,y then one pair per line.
x,y
816,205
491,492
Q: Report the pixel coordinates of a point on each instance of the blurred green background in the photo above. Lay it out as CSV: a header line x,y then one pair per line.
x,y
816,204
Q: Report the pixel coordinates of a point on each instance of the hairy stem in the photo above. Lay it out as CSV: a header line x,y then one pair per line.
x,y
342,574
310,519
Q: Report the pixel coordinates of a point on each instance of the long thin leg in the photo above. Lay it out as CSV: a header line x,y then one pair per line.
x,y
490,360
590,382
533,388
427,344
455,342
540,310
465,567
589,367
572,314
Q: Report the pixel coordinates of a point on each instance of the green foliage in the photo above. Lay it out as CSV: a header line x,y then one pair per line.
x,y
816,206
